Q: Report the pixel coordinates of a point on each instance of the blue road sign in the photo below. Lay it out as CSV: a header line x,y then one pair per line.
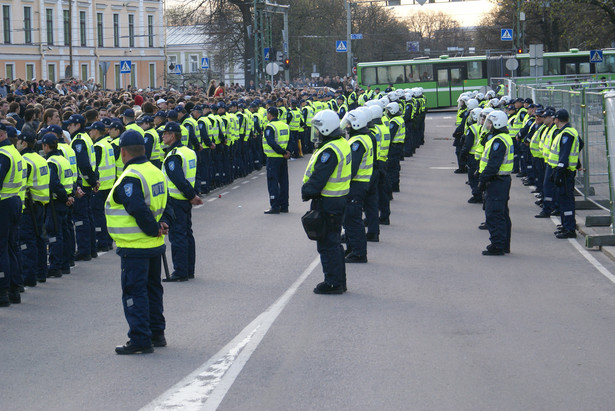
x,y
205,63
596,56
177,69
356,36
125,66
506,34
341,46
266,52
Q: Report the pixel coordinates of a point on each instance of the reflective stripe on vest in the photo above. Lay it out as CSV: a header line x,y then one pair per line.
x,y
507,164
474,132
546,141
70,155
89,145
38,181
400,136
366,167
188,157
281,136
535,142
106,167
13,181
573,157
123,227
383,138
338,184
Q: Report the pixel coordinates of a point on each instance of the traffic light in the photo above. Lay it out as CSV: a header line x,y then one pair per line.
x,y
251,66
519,50
286,63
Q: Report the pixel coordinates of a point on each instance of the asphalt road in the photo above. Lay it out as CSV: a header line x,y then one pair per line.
x,y
428,324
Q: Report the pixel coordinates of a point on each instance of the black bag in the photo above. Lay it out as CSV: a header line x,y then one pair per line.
x,y
315,225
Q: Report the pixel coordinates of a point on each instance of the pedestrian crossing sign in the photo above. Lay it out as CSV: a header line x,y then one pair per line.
x,y
178,69
596,56
125,66
506,34
341,46
205,63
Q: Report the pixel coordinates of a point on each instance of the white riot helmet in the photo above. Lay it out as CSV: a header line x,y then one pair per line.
x,y
324,123
494,102
400,93
505,99
480,96
498,118
420,89
409,95
376,111
370,103
392,96
393,108
490,94
472,103
356,119
384,101
367,111
485,112
475,113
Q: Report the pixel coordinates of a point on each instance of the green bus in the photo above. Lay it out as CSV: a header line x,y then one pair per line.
x,y
444,78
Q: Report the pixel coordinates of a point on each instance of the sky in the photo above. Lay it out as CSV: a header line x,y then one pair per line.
x,y
468,13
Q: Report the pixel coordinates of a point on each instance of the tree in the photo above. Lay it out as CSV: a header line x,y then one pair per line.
x,y
436,31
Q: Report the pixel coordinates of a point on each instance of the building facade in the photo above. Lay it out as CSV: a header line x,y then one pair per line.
x,y
41,38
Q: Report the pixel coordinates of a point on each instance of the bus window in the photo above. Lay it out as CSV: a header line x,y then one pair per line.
x,y
368,76
409,75
570,68
475,70
551,66
396,74
443,78
584,68
383,75
456,76
426,71
607,66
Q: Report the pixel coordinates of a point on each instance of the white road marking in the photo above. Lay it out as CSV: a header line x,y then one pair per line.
x,y
225,193
245,182
262,173
205,388
235,188
198,206
443,168
602,269
254,178
212,199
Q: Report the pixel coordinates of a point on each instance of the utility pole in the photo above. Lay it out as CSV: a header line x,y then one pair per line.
x,y
348,39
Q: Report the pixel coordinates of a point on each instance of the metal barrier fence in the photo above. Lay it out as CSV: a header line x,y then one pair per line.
x,y
592,113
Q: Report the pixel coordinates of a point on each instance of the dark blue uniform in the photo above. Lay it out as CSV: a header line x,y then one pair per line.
x,y
180,233
141,267
353,216
103,239
565,179
85,227
205,168
330,249
56,224
277,173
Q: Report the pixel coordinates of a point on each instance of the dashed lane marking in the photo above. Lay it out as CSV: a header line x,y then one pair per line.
x,y
206,387
254,178
443,168
245,182
235,188
198,206
225,193
212,199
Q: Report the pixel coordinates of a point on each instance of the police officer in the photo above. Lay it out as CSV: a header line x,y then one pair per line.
x,y
362,149
180,169
151,139
566,146
495,168
86,165
468,150
35,197
327,183
105,160
383,141
137,222
12,170
397,130
276,139
128,118
61,185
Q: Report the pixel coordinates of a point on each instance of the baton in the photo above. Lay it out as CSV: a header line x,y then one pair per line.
x,y
166,265
30,205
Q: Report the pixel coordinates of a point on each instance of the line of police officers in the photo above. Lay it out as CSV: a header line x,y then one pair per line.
x,y
495,138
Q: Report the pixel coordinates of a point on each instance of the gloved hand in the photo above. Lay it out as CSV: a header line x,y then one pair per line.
x,y
558,176
482,186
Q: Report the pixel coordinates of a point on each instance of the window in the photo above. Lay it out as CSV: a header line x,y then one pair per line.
x,y
150,30
10,71
368,76
116,30
118,77
84,72
152,75
67,34
133,75
391,74
551,66
30,73
51,72
82,33
6,23
570,68
608,64
27,24
49,20
425,72
194,63
99,29
584,68
475,70
131,30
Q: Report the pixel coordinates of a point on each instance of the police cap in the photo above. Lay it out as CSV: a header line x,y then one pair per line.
x,y
562,114
128,113
173,127
116,125
161,114
131,138
76,119
273,111
172,114
49,138
98,125
54,128
28,137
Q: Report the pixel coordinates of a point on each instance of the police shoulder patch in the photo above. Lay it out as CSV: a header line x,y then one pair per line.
x,y
171,165
564,139
78,148
128,189
355,146
146,139
325,157
496,145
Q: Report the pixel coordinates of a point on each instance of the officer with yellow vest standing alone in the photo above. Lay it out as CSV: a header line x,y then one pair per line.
x,y
565,147
35,196
495,167
327,184
11,180
135,214
180,169
276,139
